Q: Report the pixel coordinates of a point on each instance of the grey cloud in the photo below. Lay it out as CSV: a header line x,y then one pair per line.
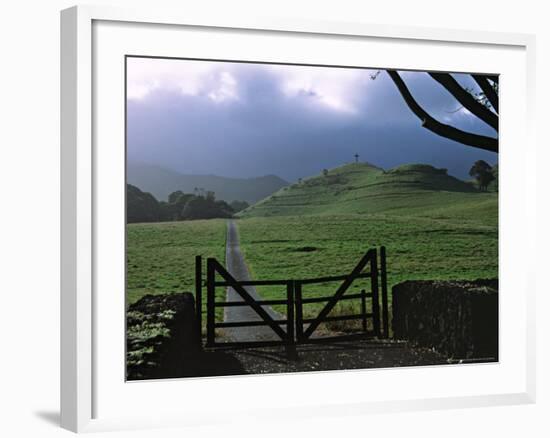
x,y
268,132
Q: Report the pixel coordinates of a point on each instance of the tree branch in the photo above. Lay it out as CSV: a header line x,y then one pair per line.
x,y
466,99
487,89
447,131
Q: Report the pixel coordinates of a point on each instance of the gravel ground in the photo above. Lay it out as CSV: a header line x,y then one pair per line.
x,y
333,355
236,266
343,355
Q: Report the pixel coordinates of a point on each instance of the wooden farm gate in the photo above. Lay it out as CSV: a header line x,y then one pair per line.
x,y
295,329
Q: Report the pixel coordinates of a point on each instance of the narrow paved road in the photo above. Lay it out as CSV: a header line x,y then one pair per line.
x,y
236,266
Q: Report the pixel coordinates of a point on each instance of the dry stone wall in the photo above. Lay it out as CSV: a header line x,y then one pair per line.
x,y
457,318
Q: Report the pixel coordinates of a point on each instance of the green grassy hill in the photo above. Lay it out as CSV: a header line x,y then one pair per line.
x,y
361,188
433,225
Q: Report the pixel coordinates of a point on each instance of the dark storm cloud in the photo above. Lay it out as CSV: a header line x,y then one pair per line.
x,y
241,121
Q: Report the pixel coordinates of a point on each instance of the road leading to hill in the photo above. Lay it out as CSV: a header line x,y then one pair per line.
x,y
236,266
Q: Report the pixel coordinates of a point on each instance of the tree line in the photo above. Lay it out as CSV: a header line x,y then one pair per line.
x,y
485,174
201,204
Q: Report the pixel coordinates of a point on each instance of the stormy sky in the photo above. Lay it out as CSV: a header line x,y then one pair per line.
x,y
246,120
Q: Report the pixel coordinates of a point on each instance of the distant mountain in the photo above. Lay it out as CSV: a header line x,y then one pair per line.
x,y
363,188
161,182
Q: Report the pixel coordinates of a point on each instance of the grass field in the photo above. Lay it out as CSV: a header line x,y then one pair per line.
x,y
433,226
161,256
417,248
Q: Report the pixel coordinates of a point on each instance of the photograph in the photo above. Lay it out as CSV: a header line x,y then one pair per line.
x,y
285,218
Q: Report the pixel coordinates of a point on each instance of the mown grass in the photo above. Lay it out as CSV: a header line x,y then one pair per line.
x,y
418,247
161,256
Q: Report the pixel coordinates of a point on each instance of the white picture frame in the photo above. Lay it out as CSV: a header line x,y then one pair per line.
x,y
81,366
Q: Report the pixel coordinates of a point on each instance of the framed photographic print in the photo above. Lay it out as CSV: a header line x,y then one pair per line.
x,y
286,207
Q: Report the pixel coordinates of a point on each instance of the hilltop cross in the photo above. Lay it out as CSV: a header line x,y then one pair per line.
x,y
356,158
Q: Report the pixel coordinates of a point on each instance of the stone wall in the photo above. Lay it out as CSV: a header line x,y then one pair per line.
x,y
457,318
162,335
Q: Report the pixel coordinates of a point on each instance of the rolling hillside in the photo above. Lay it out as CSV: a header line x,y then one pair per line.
x,y
434,226
362,188
161,182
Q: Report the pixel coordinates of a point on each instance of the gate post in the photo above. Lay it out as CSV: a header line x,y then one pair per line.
x,y
375,300
290,341
210,301
299,311
384,281
364,309
198,293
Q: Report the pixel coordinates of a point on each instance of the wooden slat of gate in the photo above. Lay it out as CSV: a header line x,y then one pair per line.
x,y
246,297
369,256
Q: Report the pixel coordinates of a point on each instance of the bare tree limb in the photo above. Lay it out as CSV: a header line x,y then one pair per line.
x,y
487,89
447,131
466,99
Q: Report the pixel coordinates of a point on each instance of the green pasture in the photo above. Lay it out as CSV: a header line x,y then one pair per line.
x,y
161,256
417,248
